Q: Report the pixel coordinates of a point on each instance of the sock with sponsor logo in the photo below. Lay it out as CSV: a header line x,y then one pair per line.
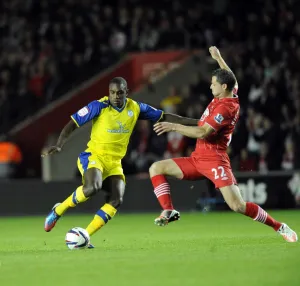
x,y
72,201
162,191
257,213
101,218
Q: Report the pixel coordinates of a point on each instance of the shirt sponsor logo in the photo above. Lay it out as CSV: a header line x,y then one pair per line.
x,y
122,129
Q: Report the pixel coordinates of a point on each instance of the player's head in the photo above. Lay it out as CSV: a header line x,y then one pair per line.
x,y
118,91
222,82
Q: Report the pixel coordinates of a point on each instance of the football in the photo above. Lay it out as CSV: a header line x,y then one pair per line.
x,y
77,238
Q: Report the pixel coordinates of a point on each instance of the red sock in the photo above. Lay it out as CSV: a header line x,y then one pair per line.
x,y
257,213
162,191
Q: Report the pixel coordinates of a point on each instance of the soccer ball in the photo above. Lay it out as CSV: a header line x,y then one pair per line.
x,y
77,238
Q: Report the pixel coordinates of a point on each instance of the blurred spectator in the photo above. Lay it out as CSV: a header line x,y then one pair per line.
x,y
263,166
117,41
10,159
170,102
176,145
288,155
294,185
144,149
247,163
296,140
255,130
148,38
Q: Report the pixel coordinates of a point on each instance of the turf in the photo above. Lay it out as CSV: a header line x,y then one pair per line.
x,y
214,249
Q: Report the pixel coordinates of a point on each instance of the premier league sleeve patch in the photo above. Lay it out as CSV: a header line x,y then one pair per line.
x,y
89,112
219,118
83,111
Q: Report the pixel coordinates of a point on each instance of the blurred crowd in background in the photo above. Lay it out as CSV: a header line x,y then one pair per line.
x,y
48,47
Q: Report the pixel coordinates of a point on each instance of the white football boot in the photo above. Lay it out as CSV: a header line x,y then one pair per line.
x,y
166,217
288,234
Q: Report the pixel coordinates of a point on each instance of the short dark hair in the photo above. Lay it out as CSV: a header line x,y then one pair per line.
x,y
225,77
119,80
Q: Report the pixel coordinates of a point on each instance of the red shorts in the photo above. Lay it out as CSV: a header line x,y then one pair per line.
x,y
216,168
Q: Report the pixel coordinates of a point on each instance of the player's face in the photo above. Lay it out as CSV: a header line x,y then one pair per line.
x,y
217,88
117,94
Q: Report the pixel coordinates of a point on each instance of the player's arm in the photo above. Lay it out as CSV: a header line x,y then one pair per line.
x,y
148,112
216,55
65,133
79,118
189,131
62,139
213,123
174,118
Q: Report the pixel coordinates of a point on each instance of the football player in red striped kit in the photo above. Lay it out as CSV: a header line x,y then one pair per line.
x,y
213,132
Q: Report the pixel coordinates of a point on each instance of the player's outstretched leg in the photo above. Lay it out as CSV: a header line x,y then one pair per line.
x,y
235,201
158,171
115,186
92,184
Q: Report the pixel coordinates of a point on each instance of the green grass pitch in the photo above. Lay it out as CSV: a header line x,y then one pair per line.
x,y
220,248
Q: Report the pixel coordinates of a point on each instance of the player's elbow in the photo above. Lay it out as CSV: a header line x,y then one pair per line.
x,y
71,126
201,133
202,136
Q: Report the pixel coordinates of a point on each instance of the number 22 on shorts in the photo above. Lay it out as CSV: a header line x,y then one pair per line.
x,y
219,173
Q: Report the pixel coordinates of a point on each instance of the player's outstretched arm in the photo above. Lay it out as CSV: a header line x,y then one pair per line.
x,y
216,55
174,118
79,118
155,115
200,132
63,137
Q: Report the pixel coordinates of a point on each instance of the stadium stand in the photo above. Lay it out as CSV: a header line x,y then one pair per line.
x,y
49,47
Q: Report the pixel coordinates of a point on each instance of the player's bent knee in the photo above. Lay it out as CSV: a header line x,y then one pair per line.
x,y
116,202
154,169
238,207
158,168
166,167
91,190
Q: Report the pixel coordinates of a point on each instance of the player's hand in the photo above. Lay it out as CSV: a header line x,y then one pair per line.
x,y
162,127
215,53
51,150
